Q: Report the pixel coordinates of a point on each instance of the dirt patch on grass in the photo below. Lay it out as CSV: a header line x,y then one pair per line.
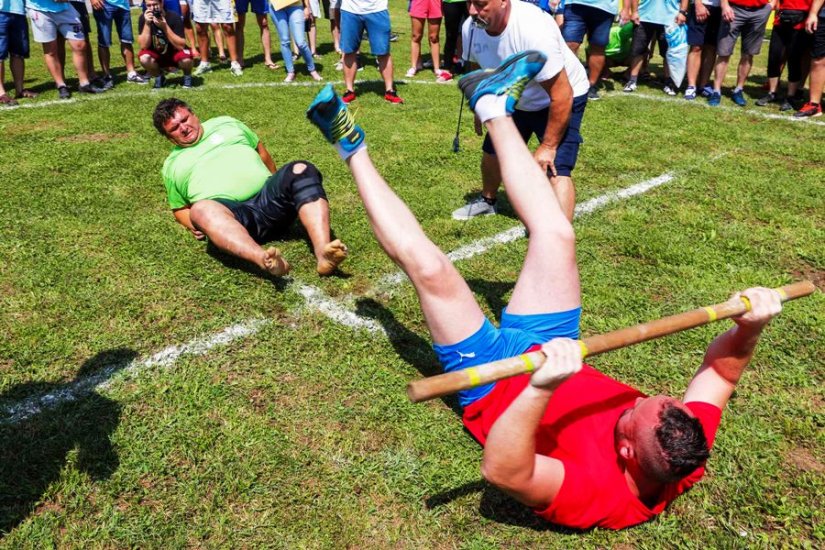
x,y
803,460
87,138
811,273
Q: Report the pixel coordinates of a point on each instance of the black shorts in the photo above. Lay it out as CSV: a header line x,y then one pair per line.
x,y
818,48
84,16
271,212
643,34
707,32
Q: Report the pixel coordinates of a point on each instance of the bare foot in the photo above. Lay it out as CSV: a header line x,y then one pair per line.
x,y
274,263
334,253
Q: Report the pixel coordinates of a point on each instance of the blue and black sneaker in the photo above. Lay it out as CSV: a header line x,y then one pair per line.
x,y
508,79
332,117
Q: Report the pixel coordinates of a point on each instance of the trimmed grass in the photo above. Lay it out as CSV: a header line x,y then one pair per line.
x,y
301,435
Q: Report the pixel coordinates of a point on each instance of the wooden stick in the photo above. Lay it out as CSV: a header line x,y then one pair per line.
x,y
448,383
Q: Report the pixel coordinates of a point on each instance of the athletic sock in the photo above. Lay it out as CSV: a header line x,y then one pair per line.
x,y
344,153
491,202
491,106
737,89
632,79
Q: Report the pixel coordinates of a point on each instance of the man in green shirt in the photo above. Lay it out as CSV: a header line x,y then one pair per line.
x,y
222,184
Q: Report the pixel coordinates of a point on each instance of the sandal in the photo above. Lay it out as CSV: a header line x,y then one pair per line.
x,y
6,100
290,77
272,66
26,94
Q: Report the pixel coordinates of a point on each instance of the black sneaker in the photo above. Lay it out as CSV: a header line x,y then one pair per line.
x,y
108,82
770,97
593,94
160,82
63,92
786,105
187,81
90,89
393,36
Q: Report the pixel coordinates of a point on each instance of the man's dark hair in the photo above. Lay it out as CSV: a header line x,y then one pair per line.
x,y
683,444
166,110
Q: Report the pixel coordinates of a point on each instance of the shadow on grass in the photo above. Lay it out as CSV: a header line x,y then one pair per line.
x,y
493,293
34,451
496,506
413,349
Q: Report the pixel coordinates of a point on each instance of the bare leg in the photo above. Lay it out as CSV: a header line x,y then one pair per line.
x,y
314,217
744,69
549,279
239,39
105,58
434,28
490,175
350,68
203,40
416,34
150,65
721,70
188,31
694,64
449,307
128,57
565,192
708,57
385,68
79,60
574,47
51,57
218,223
817,79
595,63
231,42
18,68
263,24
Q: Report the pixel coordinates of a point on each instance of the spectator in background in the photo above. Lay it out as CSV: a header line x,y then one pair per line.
x,y
651,18
374,17
748,18
260,8
455,12
83,13
106,13
162,44
14,44
704,20
591,18
188,29
218,12
789,44
312,12
815,25
429,12
53,22
289,17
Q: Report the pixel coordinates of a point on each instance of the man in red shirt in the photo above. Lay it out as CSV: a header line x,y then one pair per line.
x,y
579,447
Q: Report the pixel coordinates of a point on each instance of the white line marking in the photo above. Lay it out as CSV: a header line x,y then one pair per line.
x,y
104,377
316,298
148,91
703,104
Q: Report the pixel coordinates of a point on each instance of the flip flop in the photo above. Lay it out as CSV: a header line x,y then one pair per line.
x,y
7,101
273,66
27,94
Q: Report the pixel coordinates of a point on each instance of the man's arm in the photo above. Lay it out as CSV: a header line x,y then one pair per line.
x,y
510,460
561,104
182,217
178,42
266,157
730,353
145,36
813,16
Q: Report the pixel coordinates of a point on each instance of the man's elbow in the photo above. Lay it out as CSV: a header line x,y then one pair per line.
x,y
500,476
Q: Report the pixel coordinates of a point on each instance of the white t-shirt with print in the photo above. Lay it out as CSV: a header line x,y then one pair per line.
x,y
529,28
363,7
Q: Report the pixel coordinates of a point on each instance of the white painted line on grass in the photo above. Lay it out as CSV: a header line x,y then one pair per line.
x,y
149,91
335,310
103,378
703,104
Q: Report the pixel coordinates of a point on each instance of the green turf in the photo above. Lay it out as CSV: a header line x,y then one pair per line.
x,y
301,435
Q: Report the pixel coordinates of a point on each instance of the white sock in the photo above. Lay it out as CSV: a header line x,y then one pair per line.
x,y
132,73
737,89
234,64
491,106
344,154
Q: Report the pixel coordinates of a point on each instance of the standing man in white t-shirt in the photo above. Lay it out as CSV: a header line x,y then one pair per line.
x,y
552,105
374,17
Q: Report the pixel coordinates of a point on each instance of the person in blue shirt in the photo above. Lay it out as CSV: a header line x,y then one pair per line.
x,y
650,19
591,18
54,22
108,12
14,43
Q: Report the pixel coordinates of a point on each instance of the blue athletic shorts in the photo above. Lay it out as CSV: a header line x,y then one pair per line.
x,y
535,122
104,19
14,35
517,334
376,24
258,6
581,20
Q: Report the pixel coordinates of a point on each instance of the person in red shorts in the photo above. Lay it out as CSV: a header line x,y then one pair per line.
x,y
815,25
429,12
162,44
580,448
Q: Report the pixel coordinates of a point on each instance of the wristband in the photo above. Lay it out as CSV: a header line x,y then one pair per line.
x,y
684,12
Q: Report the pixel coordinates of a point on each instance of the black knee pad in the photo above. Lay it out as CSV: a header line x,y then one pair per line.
x,y
306,186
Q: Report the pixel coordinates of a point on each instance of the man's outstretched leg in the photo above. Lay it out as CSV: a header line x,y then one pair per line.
x,y
218,223
449,307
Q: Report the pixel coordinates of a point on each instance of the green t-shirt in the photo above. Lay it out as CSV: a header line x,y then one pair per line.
x,y
224,164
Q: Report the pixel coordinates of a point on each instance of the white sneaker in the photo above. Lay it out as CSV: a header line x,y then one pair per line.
x,y
629,87
202,68
411,72
236,69
476,207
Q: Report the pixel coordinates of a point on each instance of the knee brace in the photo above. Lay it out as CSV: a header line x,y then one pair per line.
x,y
306,186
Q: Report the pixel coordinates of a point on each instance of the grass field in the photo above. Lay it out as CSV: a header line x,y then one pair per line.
x,y
291,428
